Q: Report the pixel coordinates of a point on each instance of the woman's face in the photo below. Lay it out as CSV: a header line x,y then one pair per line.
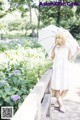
x,y
58,40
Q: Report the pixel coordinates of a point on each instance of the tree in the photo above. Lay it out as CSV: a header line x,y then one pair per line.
x,y
19,4
37,11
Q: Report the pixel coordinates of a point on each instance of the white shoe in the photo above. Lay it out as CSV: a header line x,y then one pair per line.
x,y
62,109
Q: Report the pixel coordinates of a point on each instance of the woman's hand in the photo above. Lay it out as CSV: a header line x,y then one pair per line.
x,y
78,50
72,58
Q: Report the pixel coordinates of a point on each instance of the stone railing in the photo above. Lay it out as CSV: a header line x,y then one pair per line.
x,y
36,105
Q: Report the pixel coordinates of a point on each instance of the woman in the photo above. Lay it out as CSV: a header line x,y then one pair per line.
x,y
61,54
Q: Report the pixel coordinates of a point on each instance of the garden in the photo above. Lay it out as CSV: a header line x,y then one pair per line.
x,y
22,59
22,63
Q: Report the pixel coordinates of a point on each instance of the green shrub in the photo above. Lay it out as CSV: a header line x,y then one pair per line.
x,y
20,70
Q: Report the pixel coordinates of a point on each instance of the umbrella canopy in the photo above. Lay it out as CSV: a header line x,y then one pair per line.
x,y
47,38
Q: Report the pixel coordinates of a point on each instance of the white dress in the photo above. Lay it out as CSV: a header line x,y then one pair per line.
x,y
61,66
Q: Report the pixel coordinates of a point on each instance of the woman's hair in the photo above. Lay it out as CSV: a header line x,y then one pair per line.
x,y
61,35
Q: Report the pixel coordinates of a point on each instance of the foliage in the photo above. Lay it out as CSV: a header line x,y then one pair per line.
x,y
64,16
58,15
20,69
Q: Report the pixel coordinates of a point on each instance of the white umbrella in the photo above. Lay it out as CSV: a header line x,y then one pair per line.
x,y
47,38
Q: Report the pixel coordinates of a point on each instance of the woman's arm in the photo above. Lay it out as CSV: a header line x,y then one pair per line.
x,y
72,58
53,53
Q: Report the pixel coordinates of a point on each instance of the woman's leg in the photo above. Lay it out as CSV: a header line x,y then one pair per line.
x,y
63,93
59,100
58,97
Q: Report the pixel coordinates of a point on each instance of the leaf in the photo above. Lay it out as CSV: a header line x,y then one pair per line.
x,y
20,103
15,80
11,102
19,92
1,103
7,99
1,91
24,96
23,89
8,89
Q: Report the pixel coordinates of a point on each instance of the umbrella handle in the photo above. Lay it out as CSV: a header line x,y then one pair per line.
x,y
54,46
